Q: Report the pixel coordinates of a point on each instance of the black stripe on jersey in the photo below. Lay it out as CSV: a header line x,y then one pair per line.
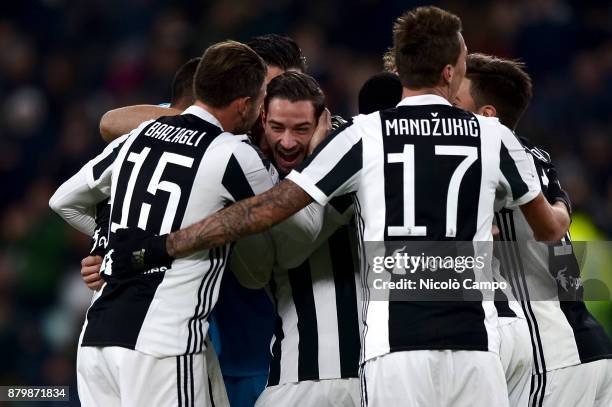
x,y
522,277
592,341
341,203
363,386
186,371
235,181
279,335
349,165
511,173
537,389
102,165
212,257
502,307
116,317
501,300
519,286
300,280
210,393
363,268
514,269
191,384
210,291
332,135
346,302
178,381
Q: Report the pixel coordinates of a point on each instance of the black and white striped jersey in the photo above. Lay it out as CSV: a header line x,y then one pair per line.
x,y
163,176
422,171
546,280
317,334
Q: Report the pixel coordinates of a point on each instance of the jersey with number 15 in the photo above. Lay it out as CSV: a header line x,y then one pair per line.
x,y
163,176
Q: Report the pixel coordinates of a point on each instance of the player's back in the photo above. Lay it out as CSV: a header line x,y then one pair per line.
x,y
430,174
437,168
166,175
546,278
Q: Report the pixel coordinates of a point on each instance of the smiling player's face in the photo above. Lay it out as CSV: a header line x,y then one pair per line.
x,y
288,128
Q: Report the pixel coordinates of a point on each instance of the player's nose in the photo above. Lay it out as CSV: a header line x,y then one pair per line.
x,y
288,142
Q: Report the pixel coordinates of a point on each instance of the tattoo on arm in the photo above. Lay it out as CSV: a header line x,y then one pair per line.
x,y
246,217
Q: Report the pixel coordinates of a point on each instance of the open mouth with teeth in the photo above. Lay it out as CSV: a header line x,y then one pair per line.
x,y
287,160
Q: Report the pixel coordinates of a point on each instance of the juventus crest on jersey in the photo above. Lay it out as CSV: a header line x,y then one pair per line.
x,y
422,171
165,175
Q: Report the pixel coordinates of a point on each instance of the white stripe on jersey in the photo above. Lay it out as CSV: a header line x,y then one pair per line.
x,y
353,159
325,304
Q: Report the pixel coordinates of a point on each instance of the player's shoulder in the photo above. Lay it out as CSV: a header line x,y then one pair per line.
x,y
491,128
490,124
247,153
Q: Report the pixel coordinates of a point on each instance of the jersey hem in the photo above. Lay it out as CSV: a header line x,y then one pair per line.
x,y
429,347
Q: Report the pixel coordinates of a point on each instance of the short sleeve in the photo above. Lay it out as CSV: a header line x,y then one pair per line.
x,y
246,174
519,177
335,166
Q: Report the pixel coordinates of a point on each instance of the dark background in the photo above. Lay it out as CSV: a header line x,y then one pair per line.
x,y
64,63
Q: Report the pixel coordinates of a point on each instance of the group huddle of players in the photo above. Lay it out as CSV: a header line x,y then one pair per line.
x,y
183,190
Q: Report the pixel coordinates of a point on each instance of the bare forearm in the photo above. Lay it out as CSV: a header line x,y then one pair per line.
x,y
549,222
118,122
243,218
561,216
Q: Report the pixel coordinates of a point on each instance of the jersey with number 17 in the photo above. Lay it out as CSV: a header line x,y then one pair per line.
x,y
163,176
422,171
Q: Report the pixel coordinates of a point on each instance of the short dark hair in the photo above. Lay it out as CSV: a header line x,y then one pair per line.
x,y
228,70
182,84
295,87
382,91
425,40
280,51
502,83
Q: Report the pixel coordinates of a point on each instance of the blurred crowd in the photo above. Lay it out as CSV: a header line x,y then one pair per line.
x,y
64,63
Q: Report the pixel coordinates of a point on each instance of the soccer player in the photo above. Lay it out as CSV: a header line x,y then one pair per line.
x,y
243,320
182,98
315,349
408,347
495,87
570,349
147,332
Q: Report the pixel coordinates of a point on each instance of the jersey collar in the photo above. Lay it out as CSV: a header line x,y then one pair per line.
x,y
428,99
203,114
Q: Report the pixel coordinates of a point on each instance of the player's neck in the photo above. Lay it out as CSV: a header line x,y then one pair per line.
x,y
439,91
225,117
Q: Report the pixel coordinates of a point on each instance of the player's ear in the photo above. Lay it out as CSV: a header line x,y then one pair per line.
x,y
447,74
242,105
487,111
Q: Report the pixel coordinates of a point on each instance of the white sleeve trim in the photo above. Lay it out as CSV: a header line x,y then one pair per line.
x,y
308,186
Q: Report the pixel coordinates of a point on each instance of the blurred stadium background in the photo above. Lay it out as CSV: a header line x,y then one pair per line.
x,y
64,63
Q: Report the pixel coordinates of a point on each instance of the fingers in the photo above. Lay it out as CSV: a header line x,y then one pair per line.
x,y
90,272
322,130
91,277
495,230
91,261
